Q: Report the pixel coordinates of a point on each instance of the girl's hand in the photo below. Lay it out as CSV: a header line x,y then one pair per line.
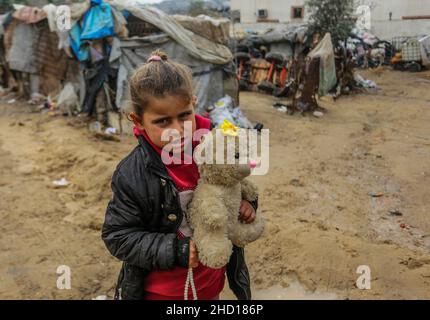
x,y
193,260
247,212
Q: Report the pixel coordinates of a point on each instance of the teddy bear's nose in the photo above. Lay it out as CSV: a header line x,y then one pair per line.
x,y
252,164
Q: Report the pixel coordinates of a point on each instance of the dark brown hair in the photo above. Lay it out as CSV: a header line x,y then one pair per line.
x,y
157,78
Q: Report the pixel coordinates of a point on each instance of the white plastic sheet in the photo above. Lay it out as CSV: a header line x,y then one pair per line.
x,y
324,51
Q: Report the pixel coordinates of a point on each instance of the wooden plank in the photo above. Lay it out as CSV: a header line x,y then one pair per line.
x,y
416,17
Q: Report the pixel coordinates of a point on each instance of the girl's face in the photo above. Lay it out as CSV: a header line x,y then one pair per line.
x,y
168,113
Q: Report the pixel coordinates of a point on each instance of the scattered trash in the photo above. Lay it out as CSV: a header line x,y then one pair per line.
x,y
396,212
95,126
36,99
240,119
11,101
364,83
224,109
318,114
61,183
376,194
220,111
110,130
281,107
403,226
102,297
105,136
296,183
68,100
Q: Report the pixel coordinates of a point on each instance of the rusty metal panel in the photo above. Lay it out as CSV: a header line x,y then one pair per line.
x,y
49,60
139,28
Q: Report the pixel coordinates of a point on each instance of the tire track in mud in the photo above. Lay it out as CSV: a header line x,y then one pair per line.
x,y
384,192
321,222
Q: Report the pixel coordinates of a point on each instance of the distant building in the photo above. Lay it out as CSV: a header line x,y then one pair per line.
x,y
269,11
391,18
388,18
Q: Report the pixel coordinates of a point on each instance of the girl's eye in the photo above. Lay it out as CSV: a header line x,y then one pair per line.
x,y
185,115
162,122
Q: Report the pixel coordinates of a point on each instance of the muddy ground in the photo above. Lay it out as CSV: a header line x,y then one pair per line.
x,y
346,190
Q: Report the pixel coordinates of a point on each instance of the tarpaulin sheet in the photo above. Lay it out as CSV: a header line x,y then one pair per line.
x,y
324,51
30,14
21,54
132,53
98,22
82,52
425,50
282,34
197,46
216,30
77,10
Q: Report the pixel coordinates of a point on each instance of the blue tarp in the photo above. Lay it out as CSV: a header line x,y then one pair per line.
x,y
97,23
81,52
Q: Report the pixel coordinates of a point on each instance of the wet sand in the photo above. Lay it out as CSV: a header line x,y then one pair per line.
x,y
345,190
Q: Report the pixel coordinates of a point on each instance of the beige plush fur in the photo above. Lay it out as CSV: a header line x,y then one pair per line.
x,y
213,213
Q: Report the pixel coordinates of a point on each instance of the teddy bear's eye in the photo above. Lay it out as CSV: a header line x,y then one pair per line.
x,y
237,155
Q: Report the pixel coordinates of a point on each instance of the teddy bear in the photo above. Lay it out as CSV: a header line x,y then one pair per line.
x,y
214,210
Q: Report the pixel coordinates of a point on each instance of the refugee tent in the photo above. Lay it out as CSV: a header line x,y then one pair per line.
x,y
288,41
31,52
211,63
216,30
108,40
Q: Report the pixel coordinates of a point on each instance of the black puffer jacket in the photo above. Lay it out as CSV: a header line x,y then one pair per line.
x,y
141,223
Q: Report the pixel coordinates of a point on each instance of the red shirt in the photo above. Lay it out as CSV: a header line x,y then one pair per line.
x,y
170,285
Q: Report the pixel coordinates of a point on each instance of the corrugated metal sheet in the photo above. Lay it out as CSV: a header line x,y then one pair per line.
x,y
139,28
49,60
50,63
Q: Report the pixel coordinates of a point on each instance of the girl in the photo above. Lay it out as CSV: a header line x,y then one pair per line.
x,y
145,225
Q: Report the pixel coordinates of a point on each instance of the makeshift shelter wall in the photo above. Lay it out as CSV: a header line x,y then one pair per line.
x,y
197,46
20,56
216,30
283,48
208,78
139,28
50,62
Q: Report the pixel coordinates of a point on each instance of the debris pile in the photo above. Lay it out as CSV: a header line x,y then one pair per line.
x,y
288,62
84,71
